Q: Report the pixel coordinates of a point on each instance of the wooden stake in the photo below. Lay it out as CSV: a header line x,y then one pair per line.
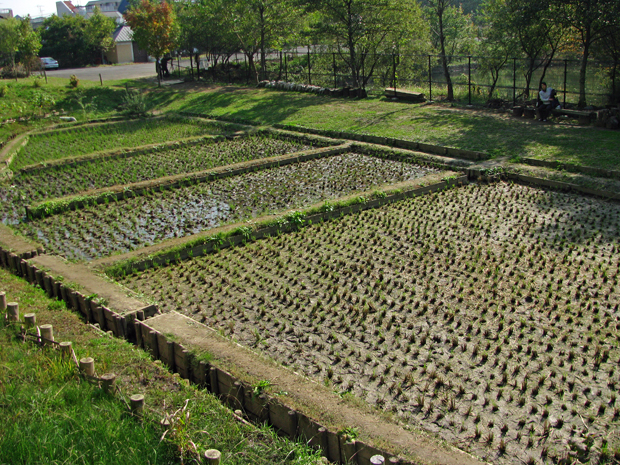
x,y
213,456
65,348
377,460
12,311
30,319
87,366
137,404
107,382
2,301
47,334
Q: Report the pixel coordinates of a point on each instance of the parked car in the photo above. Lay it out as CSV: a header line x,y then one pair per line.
x,y
49,62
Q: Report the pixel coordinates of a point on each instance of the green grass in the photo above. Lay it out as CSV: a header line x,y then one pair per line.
x,y
125,134
50,415
496,134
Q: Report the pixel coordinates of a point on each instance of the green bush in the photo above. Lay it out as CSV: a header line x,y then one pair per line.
x,y
134,103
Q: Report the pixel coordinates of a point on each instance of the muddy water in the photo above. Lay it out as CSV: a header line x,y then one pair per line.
x,y
29,188
123,226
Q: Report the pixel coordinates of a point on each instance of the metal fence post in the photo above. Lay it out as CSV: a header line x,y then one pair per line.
x,y
309,68
514,82
363,70
430,81
394,72
469,77
565,72
280,70
334,65
285,68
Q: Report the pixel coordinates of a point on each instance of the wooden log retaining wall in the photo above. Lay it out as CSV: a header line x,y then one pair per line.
x,y
240,396
108,320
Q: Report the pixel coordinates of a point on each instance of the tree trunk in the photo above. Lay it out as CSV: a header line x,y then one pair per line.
x,y
252,65
158,70
263,61
444,59
351,44
583,69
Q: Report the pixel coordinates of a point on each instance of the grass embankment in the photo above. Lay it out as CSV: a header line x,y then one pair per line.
x,y
52,415
493,133
32,98
497,134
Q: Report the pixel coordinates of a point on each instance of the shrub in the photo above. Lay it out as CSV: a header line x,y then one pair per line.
x,y
134,103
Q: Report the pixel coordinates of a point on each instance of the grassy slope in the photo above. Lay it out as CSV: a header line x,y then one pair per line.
x,y
50,415
489,132
437,124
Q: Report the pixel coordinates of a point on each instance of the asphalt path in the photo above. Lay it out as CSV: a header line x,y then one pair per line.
x,y
108,73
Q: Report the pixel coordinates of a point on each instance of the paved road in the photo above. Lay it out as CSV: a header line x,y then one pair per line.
x,y
108,73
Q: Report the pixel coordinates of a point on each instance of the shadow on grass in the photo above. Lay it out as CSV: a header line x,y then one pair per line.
x,y
247,104
494,134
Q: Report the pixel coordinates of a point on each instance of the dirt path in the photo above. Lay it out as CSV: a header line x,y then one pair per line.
x,y
308,397
89,283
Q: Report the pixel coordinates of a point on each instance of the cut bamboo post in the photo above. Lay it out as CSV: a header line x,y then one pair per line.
x,y
65,348
30,319
107,382
47,334
87,366
137,404
2,301
377,460
213,456
12,311
393,460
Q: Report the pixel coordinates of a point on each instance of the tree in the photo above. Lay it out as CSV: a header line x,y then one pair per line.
x,y
361,30
593,20
29,45
533,24
440,11
75,40
609,50
9,39
260,25
99,29
203,26
154,28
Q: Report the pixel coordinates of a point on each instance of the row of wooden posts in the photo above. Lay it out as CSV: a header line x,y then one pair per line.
x,y
86,365
177,358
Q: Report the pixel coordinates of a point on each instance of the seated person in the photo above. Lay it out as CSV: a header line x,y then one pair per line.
x,y
546,101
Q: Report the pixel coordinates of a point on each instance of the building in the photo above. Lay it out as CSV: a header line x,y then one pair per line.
x,y
67,8
6,13
125,49
111,8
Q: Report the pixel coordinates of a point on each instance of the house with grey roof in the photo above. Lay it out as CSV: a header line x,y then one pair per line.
x,y
125,50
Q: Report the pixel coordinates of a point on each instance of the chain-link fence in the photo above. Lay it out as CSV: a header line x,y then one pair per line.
x,y
472,81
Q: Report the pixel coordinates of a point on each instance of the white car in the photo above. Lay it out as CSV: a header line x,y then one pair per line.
x,y
49,62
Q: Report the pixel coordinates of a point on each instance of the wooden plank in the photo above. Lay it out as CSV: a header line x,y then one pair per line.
x,y
405,95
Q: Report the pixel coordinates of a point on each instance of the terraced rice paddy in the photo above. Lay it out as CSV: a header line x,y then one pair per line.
x,y
29,187
487,315
133,223
83,140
